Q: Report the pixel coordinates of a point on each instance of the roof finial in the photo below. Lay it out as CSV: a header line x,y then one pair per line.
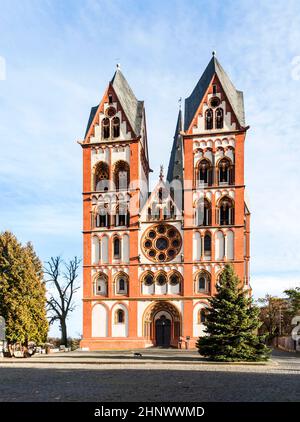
x,y
161,172
179,102
214,53
118,65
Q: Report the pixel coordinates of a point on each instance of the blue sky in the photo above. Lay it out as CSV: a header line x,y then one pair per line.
x,y
59,57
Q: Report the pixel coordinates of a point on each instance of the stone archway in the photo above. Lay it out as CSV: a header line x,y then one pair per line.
x,y
162,324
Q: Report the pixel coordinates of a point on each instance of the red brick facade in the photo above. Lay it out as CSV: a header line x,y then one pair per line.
x,y
140,291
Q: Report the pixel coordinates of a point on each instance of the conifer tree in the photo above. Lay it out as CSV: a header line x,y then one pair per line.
x,y
231,324
22,292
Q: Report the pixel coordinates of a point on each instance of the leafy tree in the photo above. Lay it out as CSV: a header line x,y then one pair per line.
x,y
62,276
293,300
231,324
22,292
274,315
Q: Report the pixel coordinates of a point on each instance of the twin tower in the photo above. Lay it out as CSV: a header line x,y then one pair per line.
x,y
152,259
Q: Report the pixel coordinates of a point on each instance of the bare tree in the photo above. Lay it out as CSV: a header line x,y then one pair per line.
x,y
62,276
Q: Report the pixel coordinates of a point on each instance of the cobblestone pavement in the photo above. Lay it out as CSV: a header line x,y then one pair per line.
x,y
160,375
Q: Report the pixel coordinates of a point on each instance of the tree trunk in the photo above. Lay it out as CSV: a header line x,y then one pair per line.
x,y
64,337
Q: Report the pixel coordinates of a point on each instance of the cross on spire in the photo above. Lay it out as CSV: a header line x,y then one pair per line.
x,y
118,65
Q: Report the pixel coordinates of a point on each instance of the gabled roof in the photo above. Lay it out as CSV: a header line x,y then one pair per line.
x,y
234,96
153,195
175,169
132,107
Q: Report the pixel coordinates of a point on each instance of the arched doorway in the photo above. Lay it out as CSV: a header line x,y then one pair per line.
x,y
163,331
162,324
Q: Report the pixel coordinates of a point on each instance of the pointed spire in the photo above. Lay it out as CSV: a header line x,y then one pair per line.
x,y
175,169
234,96
133,108
161,173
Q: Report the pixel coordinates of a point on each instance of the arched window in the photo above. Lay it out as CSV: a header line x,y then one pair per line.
x,y
117,248
160,195
102,217
209,119
225,172
204,173
219,118
122,215
172,210
96,250
202,315
101,177
203,282
122,284
168,210
101,285
155,211
226,211
120,316
121,175
203,213
219,245
116,127
175,279
161,279
207,245
105,128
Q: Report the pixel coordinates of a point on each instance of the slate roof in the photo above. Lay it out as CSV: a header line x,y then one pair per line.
x,y
175,169
234,96
132,107
92,115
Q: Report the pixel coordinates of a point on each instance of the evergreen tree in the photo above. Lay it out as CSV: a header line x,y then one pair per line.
x,y
231,324
22,292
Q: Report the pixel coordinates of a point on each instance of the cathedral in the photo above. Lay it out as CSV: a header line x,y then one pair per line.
x,y
152,259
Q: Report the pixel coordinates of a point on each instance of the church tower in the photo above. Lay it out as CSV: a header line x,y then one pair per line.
x,y
153,259
216,218
115,185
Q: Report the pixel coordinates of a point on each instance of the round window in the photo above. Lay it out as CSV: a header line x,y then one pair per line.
x,y
111,111
161,242
148,244
161,229
215,102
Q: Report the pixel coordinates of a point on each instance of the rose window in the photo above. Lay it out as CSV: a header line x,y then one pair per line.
x,y
161,243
